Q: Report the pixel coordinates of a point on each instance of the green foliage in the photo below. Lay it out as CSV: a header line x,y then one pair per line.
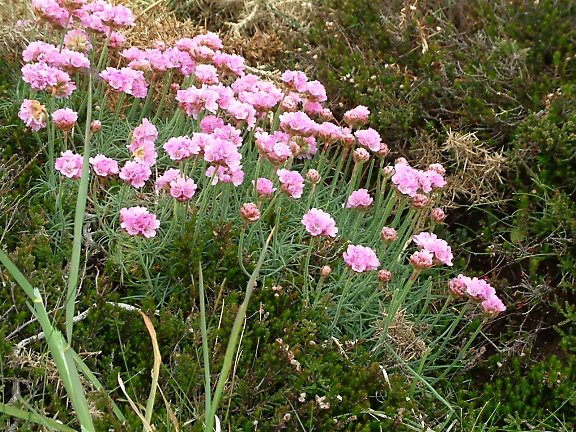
x,y
524,393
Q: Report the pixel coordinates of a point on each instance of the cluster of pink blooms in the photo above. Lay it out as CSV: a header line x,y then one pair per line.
x,y
98,16
104,166
292,182
65,119
264,187
318,222
477,290
361,258
359,199
69,164
412,182
139,221
356,116
127,80
432,251
33,114
179,187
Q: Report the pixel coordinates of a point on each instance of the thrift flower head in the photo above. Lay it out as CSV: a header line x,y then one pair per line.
x,y
325,271
318,222
292,182
357,116
440,248
138,221
77,40
361,155
493,305
65,119
437,215
361,258
369,138
179,148
250,212
135,173
69,164
313,176
33,114
182,189
103,166
264,187
384,275
359,199
163,182
422,259
388,234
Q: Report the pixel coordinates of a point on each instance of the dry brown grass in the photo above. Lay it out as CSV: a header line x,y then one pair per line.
x,y
401,335
474,170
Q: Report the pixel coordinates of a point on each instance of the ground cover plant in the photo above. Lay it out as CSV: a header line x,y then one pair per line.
x,y
176,184
487,87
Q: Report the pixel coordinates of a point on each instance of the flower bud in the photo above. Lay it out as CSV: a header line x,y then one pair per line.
x,y
438,215
95,126
420,201
361,155
438,168
250,212
384,150
384,276
325,271
457,287
388,234
313,176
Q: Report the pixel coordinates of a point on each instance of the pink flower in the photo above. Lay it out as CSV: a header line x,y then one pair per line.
x,y
361,258
146,153
77,40
357,116
179,148
292,182
229,63
388,234
297,123
250,212
422,259
478,289
384,276
117,40
361,155
126,80
193,100
206,74
318,222
210,122
146,131
65,119
493,305
441,250
163,182
437,215
316,91
225,174
103,166
264,187
182,189
369,138
33,114
40,76
359,199
295,80
138,221
69,164
135,173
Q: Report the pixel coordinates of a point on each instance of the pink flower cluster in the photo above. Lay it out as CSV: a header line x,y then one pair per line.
x,y
318,222
64,119
361,258
431,246
359,199
411,181
40,76
264,187
104,166
139,221
33,114
292,182
69,164
127,80
356,116
478,290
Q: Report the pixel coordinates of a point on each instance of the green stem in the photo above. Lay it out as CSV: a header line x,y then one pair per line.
x,y
205,353
342,298
235,333
80,212
307,273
